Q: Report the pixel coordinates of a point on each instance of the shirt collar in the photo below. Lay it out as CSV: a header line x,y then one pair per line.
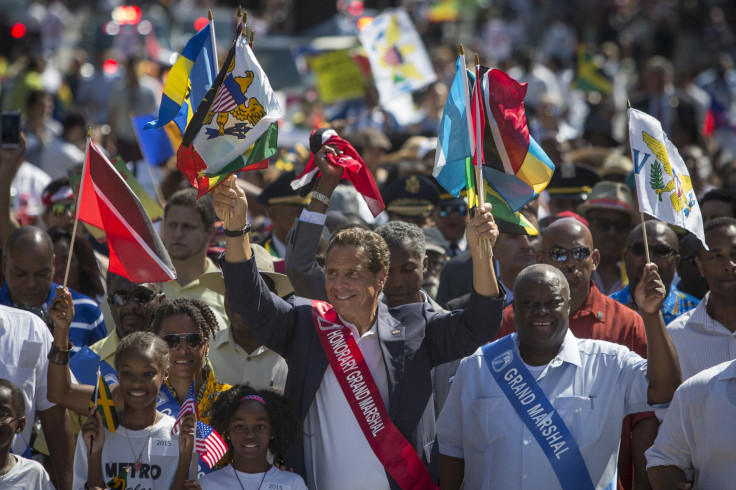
x,y
569,351
728,372
595,305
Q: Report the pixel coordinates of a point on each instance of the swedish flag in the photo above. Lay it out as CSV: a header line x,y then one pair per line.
x,y
188,81
105,404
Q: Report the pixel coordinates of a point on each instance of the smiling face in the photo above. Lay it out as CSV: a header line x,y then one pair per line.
x,y
250,434
351,287
140,376
185,362
541,312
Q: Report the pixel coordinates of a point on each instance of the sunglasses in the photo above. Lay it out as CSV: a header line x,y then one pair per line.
x,y
174,340
6,418
139,296
559,254
60,209
658,251
619,225
458,210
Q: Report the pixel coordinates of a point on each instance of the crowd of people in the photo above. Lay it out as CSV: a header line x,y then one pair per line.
x,y
433,345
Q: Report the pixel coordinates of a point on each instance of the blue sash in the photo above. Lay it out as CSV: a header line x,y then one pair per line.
x,y
537,413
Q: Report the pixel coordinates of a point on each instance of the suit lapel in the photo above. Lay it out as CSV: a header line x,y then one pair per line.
x,y
391,339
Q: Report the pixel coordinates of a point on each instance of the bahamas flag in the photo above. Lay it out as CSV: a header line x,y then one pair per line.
x,y
454,146
103,400
189,80
235,127
515,165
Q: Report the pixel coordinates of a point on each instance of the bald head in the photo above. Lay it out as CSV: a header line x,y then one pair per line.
x,y
566,228
654,227
29,238
532,273
28,265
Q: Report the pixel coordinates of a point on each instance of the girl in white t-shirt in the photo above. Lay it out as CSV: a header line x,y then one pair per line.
x,y
141,452
252,423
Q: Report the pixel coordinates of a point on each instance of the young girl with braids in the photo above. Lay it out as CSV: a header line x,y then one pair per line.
x,y
252,423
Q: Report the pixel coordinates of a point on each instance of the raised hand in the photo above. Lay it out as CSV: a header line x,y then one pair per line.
x,y
650,292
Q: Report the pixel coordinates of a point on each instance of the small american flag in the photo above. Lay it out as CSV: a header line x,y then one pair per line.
x,y
209,444
189,406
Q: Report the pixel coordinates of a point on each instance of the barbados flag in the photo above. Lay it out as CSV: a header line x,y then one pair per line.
x,y
189,80
515,165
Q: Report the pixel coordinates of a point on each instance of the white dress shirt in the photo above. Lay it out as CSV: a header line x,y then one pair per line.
x,y
591,383
337,454
701,341
698,434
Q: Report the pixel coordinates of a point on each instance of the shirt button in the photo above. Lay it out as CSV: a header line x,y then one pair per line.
x,y
600,315
526,442
247,358
524,476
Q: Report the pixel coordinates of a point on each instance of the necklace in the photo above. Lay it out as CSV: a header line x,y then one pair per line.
x,y
137,465
241,483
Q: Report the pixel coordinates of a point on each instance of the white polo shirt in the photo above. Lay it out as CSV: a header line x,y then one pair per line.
x,y
337,454
25,342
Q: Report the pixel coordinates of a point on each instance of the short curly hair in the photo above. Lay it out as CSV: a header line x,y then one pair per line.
x,y
403,234
141,342
286,426
375,248
197,310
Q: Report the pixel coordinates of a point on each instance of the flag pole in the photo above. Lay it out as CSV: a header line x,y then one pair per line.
x,y
94,407
252,35
76,209
194,446
214,41
486,249
641,214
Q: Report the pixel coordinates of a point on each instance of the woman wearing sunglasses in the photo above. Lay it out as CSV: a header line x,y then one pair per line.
x,y
187,325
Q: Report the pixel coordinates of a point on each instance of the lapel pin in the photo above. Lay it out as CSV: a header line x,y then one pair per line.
x,y
395,332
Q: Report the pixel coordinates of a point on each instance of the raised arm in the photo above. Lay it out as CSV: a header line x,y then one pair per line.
x,y
60,389
307,277
663,365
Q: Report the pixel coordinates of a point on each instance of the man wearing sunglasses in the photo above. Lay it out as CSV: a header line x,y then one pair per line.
x,y
130,307
567,245
663,251
450,217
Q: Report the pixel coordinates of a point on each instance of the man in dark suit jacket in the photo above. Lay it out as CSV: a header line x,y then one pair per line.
x,y
407,342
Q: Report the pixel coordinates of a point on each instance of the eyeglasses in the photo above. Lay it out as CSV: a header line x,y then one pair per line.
x,y
6,418
559,254
192,340
619,225
658,251
446,211
60,208
139,296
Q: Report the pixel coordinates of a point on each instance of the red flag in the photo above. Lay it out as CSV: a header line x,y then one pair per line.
x,y
106,201
355,169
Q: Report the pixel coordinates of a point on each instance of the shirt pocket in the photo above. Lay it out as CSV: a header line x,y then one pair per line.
x,y
579,415
488,420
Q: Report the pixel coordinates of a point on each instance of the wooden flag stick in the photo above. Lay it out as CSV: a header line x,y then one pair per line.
x,y
194,446
76,210
644,233
486,248
94,407
252,35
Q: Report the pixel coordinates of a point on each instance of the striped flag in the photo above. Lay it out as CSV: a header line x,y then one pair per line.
x,y
106,201
102,398
209,444
515,165
189,406
189,80
120,481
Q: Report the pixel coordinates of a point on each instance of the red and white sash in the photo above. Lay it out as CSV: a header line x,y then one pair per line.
x,y
390,447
